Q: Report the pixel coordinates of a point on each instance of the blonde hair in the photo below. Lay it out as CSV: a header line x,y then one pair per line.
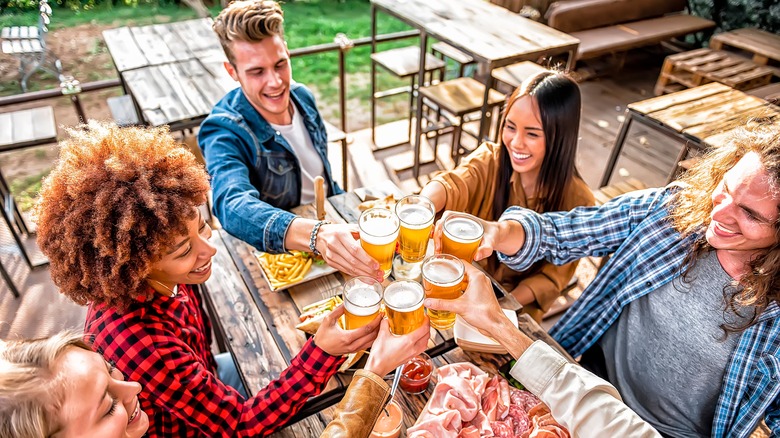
x,y
692,210
30,396
248,20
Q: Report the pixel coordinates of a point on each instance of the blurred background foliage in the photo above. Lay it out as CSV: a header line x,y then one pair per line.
x,y
735,14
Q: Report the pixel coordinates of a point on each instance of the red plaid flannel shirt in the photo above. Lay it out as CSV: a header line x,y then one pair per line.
x,y
164,345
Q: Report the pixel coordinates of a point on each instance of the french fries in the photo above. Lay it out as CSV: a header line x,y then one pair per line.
x,y
285,269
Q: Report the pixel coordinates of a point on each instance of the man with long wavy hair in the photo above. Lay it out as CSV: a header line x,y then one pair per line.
x,y
265,143
683,318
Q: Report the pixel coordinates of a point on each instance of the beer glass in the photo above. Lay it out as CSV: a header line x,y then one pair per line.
x,y
378,234
416,215
362,299
462,235
404,306
442,278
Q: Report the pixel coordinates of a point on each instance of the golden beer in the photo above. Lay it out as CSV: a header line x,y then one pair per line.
x,y
442,278
404,306
462,235
416,215
378,234
362,299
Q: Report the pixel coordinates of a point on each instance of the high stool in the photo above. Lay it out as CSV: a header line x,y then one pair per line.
x,y
456,101
514,75
404,63
444,51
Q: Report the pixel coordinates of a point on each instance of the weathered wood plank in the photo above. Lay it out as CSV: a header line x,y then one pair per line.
x,y
124,49
149,42
484,31
23,130
6,129
662,102
176,46
44,126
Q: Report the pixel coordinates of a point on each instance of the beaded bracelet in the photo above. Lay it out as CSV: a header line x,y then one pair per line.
x,y
313,237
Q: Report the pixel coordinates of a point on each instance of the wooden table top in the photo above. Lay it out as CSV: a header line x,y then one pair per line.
x,y
760,42
487,32
707,114
259,324
173,71
28,127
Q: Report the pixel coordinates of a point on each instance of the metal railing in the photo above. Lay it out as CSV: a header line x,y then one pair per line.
x,y
342,44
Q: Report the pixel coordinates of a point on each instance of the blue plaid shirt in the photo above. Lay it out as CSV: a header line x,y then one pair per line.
x,y
648,253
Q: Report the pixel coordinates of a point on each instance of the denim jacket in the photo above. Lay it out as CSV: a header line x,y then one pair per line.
x,y
255,176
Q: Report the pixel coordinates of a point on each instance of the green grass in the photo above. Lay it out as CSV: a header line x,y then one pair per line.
x,y
25,190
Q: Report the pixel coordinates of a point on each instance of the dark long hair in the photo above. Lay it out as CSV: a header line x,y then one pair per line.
x,y
560,104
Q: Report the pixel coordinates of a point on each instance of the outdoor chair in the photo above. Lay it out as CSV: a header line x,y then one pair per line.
x,y
456,102
28,43
514,75
445,51
403,63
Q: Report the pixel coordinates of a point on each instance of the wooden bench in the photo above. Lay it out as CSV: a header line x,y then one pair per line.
x,y
123,110
609,27
702,66
27,128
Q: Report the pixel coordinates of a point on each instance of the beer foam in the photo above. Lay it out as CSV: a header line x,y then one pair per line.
x,y
442,272
362,301
462,229
415,217
379,231
404,296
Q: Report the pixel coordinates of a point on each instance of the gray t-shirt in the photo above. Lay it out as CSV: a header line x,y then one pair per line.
x,y
667,354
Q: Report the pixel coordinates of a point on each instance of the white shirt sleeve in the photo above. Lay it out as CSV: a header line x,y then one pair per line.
x,y
585,404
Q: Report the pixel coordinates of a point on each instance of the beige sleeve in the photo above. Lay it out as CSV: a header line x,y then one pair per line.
x,y
468,181
583,403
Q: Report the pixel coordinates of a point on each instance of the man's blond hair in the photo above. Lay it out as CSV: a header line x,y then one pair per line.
x,y
248,20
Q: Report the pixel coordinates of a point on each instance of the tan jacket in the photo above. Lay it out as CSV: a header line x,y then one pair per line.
x,y
471,188
357,412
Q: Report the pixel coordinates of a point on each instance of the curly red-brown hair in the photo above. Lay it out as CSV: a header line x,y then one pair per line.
x,y
114,202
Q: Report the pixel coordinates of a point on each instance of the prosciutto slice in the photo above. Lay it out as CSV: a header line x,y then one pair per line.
x,y
468,403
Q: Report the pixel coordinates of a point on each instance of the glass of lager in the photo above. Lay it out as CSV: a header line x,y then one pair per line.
x,y
462,235
362,299
378,234
404,306
442,278
416,215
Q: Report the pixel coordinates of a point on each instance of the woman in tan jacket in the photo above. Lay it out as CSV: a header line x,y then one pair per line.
x,y
533,167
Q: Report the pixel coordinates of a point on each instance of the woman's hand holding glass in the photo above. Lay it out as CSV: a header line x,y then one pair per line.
x,y
505,236
389,351
336,341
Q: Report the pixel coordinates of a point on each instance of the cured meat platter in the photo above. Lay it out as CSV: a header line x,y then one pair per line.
x,y
468,402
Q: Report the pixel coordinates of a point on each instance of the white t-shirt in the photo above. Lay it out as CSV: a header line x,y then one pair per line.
x,y
300,141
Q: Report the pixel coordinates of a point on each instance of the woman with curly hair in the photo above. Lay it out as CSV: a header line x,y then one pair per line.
x,y
532,166
118,218
683,320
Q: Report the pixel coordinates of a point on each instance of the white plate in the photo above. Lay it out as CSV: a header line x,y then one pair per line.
x,y
316,271
473,339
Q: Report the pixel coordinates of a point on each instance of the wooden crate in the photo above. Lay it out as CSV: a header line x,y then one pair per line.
x,y
702,66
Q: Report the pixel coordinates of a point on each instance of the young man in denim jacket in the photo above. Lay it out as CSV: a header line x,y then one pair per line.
x,y
265,142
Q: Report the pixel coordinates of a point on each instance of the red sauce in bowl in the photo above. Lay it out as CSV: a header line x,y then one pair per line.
x,y
416,374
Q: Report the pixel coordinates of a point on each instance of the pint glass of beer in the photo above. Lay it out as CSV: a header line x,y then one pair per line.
x,y
442,278
462,235
416,215
404,306
378,233
362,299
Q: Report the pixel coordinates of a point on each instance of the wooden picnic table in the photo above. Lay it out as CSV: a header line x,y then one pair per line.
x,y
488,33
174,72
700,117
257,324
